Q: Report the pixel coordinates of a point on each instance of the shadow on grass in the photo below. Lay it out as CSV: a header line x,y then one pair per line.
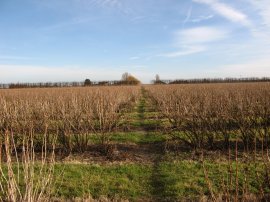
x,y
161,183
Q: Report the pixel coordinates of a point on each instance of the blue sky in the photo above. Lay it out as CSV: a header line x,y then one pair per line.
x,y
70,40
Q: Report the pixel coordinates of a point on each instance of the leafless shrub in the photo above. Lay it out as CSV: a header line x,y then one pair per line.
x,y
204,113
24,178
73,115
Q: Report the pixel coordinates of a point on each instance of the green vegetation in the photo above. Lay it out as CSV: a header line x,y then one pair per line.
x,y
163,180
124,181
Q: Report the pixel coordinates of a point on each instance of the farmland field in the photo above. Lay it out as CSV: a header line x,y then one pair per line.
x,y
136,143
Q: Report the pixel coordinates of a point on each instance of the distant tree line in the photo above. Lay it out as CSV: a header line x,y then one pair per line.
x,y
212,80
127,79
65,84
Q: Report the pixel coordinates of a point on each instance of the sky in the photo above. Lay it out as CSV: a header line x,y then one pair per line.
x,y
71,40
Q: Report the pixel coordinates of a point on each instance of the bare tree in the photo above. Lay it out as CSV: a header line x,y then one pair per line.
x,y
157,78
125,76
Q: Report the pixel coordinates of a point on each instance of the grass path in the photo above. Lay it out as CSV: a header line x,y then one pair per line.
x,y
159,180
141,111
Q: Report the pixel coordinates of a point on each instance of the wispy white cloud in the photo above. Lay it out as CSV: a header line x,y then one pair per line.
x,y
200,35
109,3
195,40
189,50
120,5
102,3
188,16
263,6
134,58
196,19
226,11
138,18
202,18
69,23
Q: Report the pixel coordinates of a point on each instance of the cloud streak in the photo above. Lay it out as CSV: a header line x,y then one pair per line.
x,y
110,4
202,18
134,58
263,9
226,11
195,40
188,16
200,35
186,51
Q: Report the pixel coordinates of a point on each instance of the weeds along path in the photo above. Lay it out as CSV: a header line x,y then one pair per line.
x,y
160,181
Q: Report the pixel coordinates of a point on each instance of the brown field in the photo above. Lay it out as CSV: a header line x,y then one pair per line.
x,y
223,129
